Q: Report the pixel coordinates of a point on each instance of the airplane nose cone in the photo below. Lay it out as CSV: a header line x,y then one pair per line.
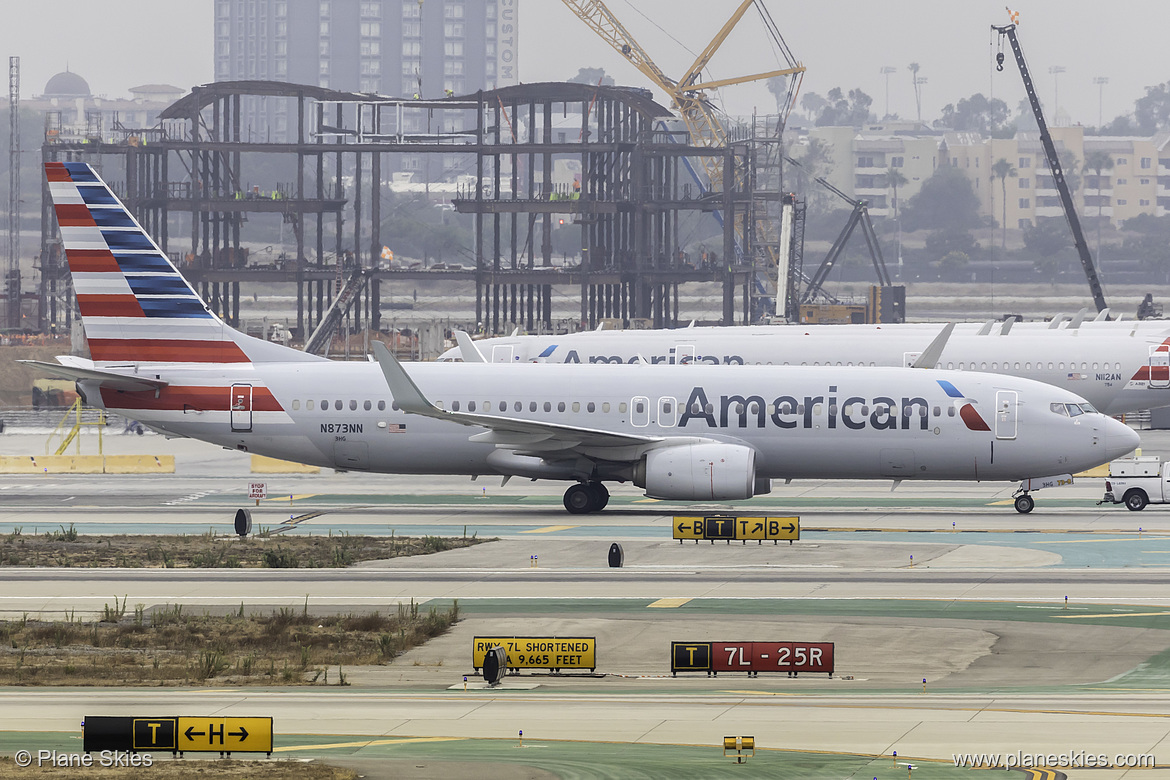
x,y
1120,439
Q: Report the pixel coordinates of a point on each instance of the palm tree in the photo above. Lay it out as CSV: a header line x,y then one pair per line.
x,y
914,67
1098,161
1003,169
895,179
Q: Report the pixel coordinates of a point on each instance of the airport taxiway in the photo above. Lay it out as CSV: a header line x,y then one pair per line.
x,y
980,613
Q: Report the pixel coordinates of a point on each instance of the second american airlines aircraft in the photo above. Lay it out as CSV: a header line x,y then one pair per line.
x,y
1118,366
689,433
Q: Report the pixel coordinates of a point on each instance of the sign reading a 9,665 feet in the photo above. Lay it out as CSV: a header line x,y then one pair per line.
x,y
731,528
539,652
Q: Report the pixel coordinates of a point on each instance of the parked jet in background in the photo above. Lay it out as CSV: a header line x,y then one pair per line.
x,y
1118,366
689,433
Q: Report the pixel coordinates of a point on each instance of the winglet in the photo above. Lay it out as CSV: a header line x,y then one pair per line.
x,y
467,349
930,355
406,393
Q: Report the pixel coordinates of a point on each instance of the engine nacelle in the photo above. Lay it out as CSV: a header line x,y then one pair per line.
x,y
698,472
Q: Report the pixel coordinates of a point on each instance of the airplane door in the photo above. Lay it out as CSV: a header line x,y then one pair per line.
x,y
241,408
908,359
1006,402
502,353
667,412
1159,367
639,411
684,354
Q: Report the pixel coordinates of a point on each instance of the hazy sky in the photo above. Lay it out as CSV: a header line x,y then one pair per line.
x,y
117,44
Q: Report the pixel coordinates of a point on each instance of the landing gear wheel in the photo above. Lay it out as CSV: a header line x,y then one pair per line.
x,y
602,495
1135,500
580,499
1025,503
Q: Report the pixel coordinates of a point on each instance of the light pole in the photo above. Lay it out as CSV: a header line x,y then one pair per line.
x,y
1055,70
1100,81
886,71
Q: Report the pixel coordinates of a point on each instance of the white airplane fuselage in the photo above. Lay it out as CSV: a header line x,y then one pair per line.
x,y
1119,367
822,422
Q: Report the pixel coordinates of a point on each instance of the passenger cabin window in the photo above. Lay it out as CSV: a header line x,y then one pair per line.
x,y
532,406
382,406
367,406
547,406
576,406
310,404
454,406
471,406
503,406
337,405
561,406
353,406
296,405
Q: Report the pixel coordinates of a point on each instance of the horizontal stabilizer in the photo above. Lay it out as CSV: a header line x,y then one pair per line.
x,y
110,379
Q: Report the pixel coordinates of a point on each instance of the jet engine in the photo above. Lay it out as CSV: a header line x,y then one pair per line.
x,y
698,472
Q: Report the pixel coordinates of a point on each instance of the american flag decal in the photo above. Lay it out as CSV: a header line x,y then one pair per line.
x,y
1078,376
396,427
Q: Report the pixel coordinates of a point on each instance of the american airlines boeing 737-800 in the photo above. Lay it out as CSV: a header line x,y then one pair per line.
x,y
690,433
1118,366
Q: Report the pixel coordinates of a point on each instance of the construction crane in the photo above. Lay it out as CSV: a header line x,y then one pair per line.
x,y
688,93
1066,200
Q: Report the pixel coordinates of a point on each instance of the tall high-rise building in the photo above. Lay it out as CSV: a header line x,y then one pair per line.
x,y
399,48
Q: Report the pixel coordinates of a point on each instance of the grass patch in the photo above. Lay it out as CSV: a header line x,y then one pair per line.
x,y
223,769
64,547
170,646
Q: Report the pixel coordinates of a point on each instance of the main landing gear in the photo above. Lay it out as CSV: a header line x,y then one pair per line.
x,y
585,497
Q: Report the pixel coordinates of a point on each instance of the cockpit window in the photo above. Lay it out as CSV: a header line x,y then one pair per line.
x,y
1074,410
1088,409
1059,409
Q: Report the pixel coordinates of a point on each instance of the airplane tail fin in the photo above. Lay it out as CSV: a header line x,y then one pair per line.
x,y
135,305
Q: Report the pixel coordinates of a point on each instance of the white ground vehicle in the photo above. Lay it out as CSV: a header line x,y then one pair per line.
x,y
1138,481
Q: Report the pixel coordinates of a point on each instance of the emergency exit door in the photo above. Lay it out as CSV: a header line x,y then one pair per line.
x,y
1006,403
1159,367
241,408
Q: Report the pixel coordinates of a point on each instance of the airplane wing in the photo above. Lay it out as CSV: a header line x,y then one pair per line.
x,y
79,371
930,355
529,436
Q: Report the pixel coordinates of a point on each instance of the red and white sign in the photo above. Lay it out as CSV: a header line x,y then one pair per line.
x,y
257,490
772,657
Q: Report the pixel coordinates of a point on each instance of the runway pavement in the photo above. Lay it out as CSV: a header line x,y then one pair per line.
x,y
980,612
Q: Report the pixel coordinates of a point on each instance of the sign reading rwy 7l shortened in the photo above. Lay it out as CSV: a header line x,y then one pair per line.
x,y
540,652
731,528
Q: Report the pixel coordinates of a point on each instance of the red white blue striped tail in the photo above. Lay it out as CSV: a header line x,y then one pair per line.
x,y
135,305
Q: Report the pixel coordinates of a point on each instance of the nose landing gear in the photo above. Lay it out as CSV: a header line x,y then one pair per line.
x,y
1025,503
585,497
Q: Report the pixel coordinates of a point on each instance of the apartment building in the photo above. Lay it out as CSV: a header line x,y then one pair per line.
x,y
399,48
1136,181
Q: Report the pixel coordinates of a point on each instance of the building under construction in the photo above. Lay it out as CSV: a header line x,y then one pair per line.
x,y
634,184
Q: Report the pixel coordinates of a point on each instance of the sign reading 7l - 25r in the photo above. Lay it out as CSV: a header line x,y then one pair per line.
x,y
728,527
224,735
